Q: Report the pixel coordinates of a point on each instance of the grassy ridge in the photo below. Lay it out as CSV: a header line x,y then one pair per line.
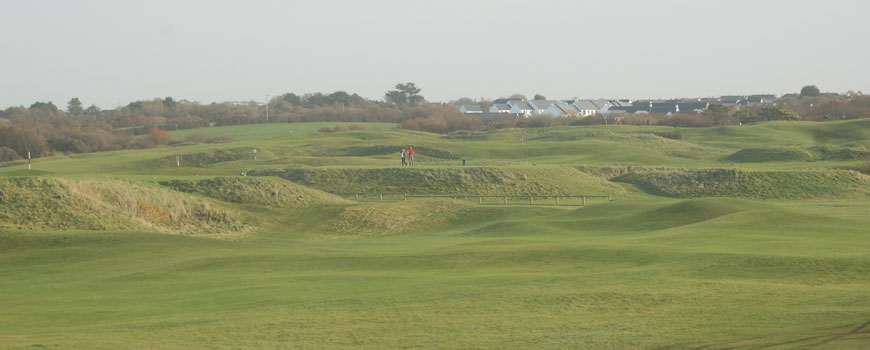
x,y
752,184
470,180
35,203
259,191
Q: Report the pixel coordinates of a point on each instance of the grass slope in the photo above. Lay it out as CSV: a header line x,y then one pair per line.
x,y
259,191
470,180
84,263
36,204
752,184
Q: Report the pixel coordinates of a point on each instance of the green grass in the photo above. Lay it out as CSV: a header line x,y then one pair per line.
x,y
686,257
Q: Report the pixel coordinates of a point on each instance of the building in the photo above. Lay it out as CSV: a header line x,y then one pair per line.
x,y
591,107
470,109
539,106
522,108
500,108
561,109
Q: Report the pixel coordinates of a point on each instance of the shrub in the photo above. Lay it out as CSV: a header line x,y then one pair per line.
x,y
157,136
7,154
356,127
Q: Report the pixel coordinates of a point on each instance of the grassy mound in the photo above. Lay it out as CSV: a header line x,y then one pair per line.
x,y
530,180
260,191
772,154
207,158
782,154
751,184
840,153
36,203
375,219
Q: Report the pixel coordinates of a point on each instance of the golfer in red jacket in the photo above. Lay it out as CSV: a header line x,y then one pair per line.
x,y
410,155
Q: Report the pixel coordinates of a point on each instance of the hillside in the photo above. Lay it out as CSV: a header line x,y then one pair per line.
x,y
172,248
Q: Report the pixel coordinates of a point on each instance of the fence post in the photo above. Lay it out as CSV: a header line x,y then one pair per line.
x,y
609,198
404,196
382,197
480,200
557,200
356,196
584,201
530,200
505,200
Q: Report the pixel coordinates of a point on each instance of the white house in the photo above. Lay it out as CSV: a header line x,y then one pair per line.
x,y
539,106
500,108
470,109
522,108
592,107
561,109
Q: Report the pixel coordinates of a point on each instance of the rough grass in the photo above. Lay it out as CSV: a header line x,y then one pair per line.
x,y
752,184
377,219
62,204
471,180
261,191
207,158
765,154
793,154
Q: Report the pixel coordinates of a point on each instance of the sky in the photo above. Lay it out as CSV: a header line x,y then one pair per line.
x,y
110,53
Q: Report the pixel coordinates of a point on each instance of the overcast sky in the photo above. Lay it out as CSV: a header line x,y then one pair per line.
x,y
113,52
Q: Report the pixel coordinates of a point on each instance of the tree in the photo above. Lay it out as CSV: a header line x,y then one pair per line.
x,y
788,114
517,96
809,91
7,154
465,101
718,113
777,113
292,99
74,106
169,103
157,136
50,106
93,110
405,94
540,97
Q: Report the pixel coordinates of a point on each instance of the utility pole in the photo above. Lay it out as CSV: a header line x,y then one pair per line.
x,y
267,107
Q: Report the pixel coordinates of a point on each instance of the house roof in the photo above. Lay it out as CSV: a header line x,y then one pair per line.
x,y
587,105
541,104
523,106
472,108
502,107
686,107
565,108
663,108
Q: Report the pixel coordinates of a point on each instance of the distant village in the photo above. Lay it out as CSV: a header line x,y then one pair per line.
x,y
609,108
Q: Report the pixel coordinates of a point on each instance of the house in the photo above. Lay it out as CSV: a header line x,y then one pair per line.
x,y
591,107
506,101
500,108
522,108
539,106
692,107
561,109
470,109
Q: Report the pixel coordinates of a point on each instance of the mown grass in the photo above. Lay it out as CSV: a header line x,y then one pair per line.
x,y
785,266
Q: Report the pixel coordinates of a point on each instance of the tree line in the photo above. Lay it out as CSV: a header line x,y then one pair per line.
x,y
43,128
